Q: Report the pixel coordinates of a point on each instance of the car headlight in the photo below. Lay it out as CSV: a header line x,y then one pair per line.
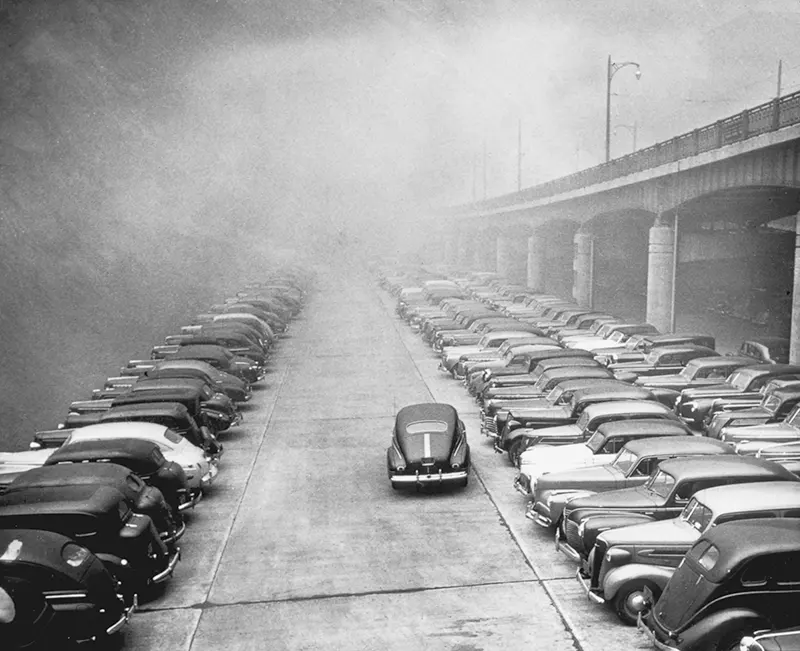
x,y
581,528
455,466
400,468
617,555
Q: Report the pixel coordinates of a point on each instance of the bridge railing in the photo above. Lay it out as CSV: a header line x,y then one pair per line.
x,y
770,116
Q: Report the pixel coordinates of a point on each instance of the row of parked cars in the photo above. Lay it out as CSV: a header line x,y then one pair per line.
x,y
91,516
667,472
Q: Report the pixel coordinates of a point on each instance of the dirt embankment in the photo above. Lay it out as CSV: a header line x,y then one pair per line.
x,y
105,243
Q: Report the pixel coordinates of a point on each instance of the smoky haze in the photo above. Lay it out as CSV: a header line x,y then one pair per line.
x,y
154,154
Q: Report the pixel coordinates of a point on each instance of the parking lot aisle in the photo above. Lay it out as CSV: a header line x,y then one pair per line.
x,y
323,553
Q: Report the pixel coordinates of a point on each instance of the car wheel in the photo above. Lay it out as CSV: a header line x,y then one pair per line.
x,y
515,451
623,602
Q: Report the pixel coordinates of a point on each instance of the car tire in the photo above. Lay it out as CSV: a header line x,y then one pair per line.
x,y
622,600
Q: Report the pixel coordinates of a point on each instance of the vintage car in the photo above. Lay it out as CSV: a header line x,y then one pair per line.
x,y
63,594
751,436
771,350
472,341
743,384
637,347
602,448
498,399
515,359
580,323
593,416
589,328
488,343
698,373
787,639
632,466
141,497
774,407
612,335
738,578
144,458
235,388
429,447
13,464
100,518
662,497
199,469
624,561
223,360
536,416
240,347
666,360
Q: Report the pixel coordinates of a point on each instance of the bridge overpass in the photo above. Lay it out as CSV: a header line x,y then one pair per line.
x,y
708,216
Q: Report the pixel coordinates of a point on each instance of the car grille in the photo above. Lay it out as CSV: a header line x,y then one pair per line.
x,y
573,539
489,424
599,552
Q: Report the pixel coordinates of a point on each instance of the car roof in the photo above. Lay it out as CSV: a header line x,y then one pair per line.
x,y
742,540
677,445
147,383
57,475
157,394
727,465
627,391
39,547
96,499
139,409
578,372
118,448
127,429
685,348
202,350
721,360
757,370
434,411
626,406
650,425
758,496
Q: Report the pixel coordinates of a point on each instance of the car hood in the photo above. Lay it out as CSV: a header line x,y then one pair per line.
x,y
544,411
669,532
673,379
603,477
624,498
603,344
558,432
455,352
542,454
708,391
765,431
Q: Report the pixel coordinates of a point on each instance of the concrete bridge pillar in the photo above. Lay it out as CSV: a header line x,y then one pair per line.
x,y
660,274
466,244
511,257
451,248
583,268
794,346
484,256
537,257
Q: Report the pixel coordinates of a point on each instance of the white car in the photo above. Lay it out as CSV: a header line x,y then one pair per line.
x,y
199,469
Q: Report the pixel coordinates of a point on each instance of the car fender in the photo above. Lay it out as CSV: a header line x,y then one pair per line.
x,y
619,576
720,624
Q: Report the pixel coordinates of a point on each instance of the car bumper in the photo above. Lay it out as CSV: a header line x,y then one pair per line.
x,y
208,479
520,487
437,478
172,539
542,519
651,636
124,617
584,583
191,500
565,548
167,572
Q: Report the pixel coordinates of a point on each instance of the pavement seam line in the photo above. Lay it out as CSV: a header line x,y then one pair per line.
x,y
566,620
241,499
343,595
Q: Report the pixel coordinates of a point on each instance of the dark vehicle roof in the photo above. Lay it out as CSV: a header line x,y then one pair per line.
x,y
157,395
578,372
758,370
627,406
649,425
726,466
612,392
560,352
203,351
685,348
675,336
577,383
40,548
141,410
742,540
720,360
110,449
560,362
150,383
70,474
431,411
95,500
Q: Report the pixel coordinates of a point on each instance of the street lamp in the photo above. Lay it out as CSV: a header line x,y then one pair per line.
x,y
611,70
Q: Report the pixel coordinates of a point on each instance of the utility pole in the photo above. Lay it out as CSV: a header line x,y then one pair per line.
x,y
780,75
519,155
484,168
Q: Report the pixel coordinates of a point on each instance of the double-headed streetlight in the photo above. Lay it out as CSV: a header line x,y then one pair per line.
x,y
611,70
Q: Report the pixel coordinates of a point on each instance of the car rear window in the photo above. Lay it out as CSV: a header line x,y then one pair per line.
x,y
172,436
423,426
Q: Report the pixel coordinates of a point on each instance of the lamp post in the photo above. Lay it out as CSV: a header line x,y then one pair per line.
x,y
612,69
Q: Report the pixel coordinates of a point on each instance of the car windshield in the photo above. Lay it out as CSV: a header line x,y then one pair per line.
x,y
625,461
617,337
793,419
771,404
555,394
604,330
652,357
634,343
509,355
583,421
172,436
660,483
595,442
739,380
502,350
426,427
689,371
485,341
698,515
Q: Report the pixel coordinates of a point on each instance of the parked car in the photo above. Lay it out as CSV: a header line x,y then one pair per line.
x,y
624,561
784,431
223,360
429,447
514,360
666,360
610,336
663,496
100,517
580,431
63,593
602,448
142,457
233,387
637,347
774,407
488,343
141,497
699,372
13,464
772,350
743,384
739,577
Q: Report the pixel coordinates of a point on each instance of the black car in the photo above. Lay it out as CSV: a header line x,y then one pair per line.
x,y
144,458
235,388
739,577
429,447
62,593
